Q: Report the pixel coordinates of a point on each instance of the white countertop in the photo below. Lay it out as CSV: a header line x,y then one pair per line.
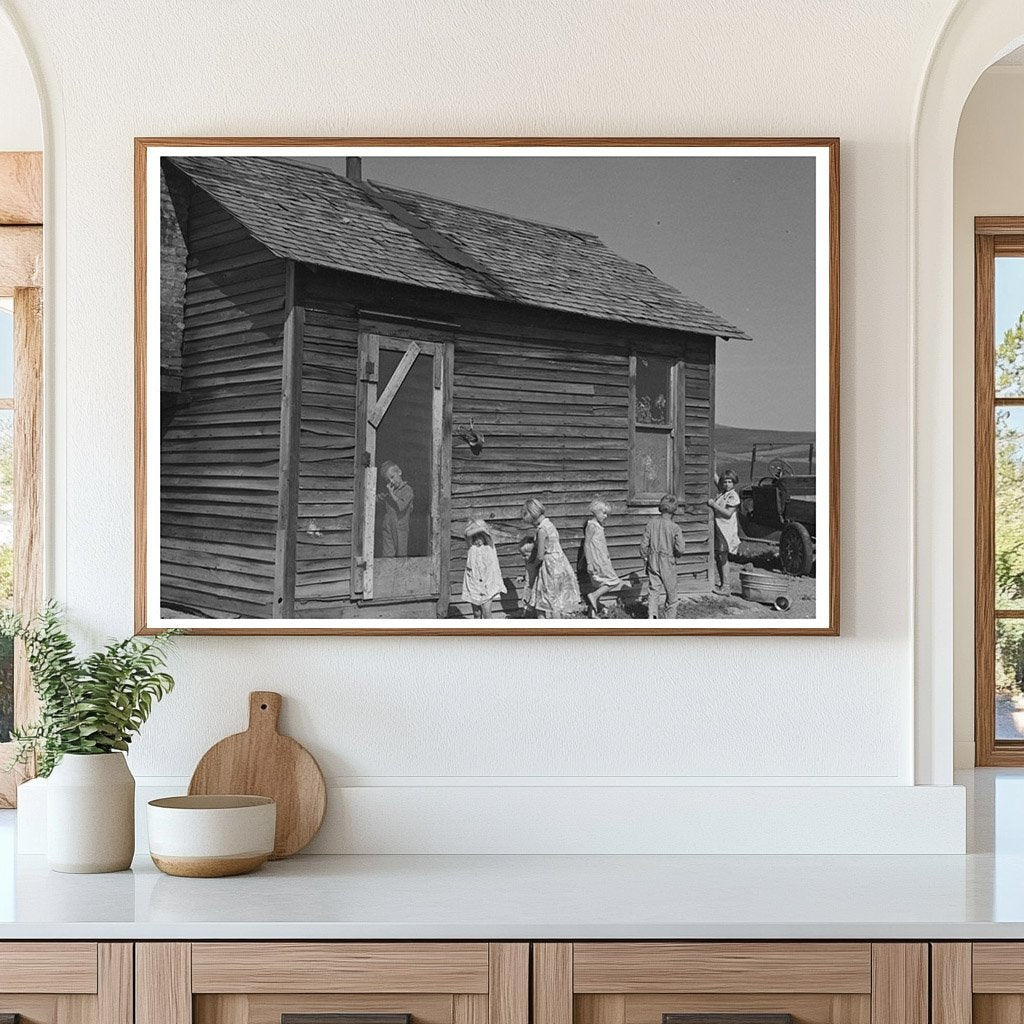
x,y
978,896
516,897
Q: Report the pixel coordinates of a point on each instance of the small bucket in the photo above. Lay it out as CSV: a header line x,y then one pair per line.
x,y
763,587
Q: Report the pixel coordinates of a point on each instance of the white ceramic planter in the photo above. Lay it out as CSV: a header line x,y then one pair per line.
x,y
90,814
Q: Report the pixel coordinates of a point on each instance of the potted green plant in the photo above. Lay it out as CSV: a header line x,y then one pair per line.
x,y
89,710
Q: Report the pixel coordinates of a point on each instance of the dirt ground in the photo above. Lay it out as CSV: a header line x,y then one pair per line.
x,y
756,556
732,605
801,593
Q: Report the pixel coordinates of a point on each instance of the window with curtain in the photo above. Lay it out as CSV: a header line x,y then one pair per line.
x,y
652,427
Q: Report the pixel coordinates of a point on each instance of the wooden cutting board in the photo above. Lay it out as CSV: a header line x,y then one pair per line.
x,y
262,762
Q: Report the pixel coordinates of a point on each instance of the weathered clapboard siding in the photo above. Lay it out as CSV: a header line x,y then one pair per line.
x,y
220,447
554,416
548,392
327,461
332,304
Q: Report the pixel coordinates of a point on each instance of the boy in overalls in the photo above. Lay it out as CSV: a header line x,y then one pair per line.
x,y
663,542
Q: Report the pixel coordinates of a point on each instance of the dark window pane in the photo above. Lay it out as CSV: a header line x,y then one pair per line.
x,y
405,467
1009,679
653,389
1009,327
1009,511
651,461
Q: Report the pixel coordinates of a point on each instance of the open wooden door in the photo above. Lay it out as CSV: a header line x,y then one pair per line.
x,y
399,444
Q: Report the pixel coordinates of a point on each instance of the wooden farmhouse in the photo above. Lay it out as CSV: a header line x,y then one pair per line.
x,y
317,327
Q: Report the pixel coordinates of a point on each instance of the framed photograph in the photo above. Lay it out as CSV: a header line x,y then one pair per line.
x,y
498,386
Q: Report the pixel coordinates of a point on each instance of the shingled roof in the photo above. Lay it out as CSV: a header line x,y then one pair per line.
x,y
313,215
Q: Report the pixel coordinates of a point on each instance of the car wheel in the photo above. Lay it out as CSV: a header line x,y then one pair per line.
x,y
796,549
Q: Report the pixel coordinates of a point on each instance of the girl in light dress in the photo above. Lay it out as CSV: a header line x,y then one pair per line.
x,y
727,537
482,581
555,593
603,577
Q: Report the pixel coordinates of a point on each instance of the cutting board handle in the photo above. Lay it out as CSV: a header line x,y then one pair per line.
x,y
264,710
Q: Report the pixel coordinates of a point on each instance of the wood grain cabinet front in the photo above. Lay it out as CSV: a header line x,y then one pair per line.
x,y
332,983
493,983
66,982
730,983
978,983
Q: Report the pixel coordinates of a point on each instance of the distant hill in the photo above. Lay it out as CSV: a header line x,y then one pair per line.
x,y
744,437
733,446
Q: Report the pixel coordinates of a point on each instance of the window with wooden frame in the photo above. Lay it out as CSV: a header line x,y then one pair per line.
x,y
653,458
21,348
999,490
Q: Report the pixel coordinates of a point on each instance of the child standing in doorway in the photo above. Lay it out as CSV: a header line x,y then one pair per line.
x,y
663,542
555,593
482,581
397,499
727,534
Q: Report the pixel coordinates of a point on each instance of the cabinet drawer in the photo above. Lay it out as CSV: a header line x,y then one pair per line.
x,y
998,968
749,967
66,982
66,967
730,983
332,983
340,967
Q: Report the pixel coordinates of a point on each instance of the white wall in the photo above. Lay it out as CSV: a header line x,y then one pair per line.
x,y
429,716
21,126
987,181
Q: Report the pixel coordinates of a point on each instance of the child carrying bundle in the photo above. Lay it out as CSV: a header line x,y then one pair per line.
x,y
555,593
482,581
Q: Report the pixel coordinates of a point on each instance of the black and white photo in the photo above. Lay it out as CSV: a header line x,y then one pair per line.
x,y
467,387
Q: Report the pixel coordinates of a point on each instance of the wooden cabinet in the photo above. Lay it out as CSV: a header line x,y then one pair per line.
x,y
494,983
66,982
978,983
760,982
307,982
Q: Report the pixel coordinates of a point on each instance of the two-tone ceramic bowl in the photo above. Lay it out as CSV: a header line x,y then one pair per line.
x,y
211,836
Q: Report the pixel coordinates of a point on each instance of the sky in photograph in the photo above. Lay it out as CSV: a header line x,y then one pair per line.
x,y
735,234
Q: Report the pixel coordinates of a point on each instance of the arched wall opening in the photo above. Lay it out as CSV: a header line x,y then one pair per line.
x,y
976,35
21,121
989,153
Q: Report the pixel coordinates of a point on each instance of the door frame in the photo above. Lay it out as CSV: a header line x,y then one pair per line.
x,y
439,348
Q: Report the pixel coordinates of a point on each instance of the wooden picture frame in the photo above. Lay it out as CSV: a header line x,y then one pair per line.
x,y
314,293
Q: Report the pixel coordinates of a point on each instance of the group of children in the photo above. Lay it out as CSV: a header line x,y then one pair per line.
x,y
552,584
552,590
